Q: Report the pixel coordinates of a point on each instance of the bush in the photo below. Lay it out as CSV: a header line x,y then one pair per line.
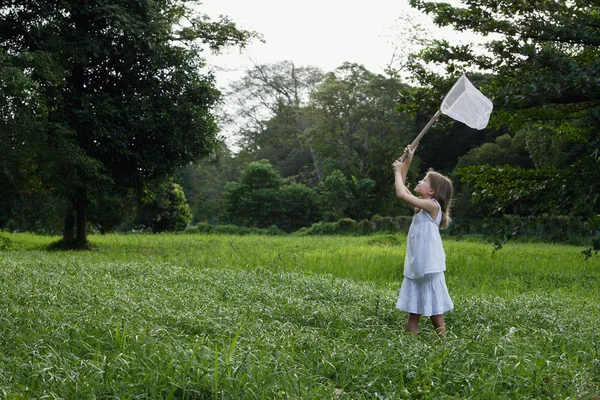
x,y
166,210
346,225
365,227
319,228
385,224
297,207
203,227
261,199
5,242
386,240
558,229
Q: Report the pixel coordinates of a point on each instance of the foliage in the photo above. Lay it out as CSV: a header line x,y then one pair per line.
x,y
515,190
249,200
340,197
269,113
447,140
546,228
37,212
259,198
504,150
114,212
123,97
5,242
355,128
542,63
297,207
204,181
165,209
334,196
348,226
308,125
206,228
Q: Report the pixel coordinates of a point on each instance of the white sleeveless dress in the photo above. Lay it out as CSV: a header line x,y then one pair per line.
x,y
424,288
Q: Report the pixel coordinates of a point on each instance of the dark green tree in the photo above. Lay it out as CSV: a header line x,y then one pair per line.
x,y
543,62
340,197
297,207
504,150
447,140
124,97
335,196
260,198
356,129
21,113
203,183
165,209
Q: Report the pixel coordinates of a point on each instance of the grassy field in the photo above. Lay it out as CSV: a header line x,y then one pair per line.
x,y
236,317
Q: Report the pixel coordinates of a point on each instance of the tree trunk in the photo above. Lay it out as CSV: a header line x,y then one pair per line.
x,y
69,230
81,207
76,222
315,160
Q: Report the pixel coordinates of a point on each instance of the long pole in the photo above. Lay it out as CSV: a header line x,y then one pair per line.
x,y
424,131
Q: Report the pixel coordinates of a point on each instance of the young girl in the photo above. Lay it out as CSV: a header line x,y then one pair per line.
x,y
424,290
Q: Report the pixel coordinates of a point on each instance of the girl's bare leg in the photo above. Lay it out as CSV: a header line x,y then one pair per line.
x,y
412,326
438,323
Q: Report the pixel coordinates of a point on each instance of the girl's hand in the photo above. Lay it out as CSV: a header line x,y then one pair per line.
x,y
398,164
407,156
410,151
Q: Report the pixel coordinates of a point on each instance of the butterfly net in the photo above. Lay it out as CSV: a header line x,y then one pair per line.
x,y
466,104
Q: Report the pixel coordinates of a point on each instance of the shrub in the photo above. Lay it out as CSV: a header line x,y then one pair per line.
x,y
261,199
385,224
5,242
319,228
203,227
346,225
365,227
559,229
166,210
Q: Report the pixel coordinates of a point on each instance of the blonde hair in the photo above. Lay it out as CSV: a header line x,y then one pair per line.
x,y
442,193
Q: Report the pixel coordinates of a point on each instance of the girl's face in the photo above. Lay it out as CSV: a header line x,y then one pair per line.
x,y
424,188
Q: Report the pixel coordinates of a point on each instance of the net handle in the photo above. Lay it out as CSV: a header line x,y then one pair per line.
x,y
423,132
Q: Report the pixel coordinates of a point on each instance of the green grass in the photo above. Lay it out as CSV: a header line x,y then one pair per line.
x,y
234,317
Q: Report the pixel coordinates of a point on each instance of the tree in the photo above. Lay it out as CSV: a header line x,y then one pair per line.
x,y
165,209
297,207
251,200
447,140
334,196
20,113
120,83
543,63
356,129
203,183
340,197
269,107
504,150
260,198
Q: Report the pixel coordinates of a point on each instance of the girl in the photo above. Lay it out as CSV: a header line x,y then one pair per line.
x,y
424,290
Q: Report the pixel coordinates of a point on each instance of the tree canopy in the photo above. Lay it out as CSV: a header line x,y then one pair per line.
x,y
104,95
542,64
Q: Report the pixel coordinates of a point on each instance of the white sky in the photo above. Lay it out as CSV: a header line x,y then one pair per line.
x,y
320,33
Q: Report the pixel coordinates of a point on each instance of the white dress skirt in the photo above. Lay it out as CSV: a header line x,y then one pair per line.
x,y
426,296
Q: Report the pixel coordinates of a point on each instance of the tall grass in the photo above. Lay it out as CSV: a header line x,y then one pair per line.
x,y
207,317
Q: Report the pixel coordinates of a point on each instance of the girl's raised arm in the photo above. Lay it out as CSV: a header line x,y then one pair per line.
x,y
409,152
403,193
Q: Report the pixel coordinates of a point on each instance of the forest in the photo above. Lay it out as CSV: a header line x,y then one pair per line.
x,y
108,124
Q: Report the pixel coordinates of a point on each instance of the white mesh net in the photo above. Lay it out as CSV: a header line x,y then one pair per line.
x,y
466,104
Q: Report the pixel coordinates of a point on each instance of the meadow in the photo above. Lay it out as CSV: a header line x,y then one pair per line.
x,y
256,317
